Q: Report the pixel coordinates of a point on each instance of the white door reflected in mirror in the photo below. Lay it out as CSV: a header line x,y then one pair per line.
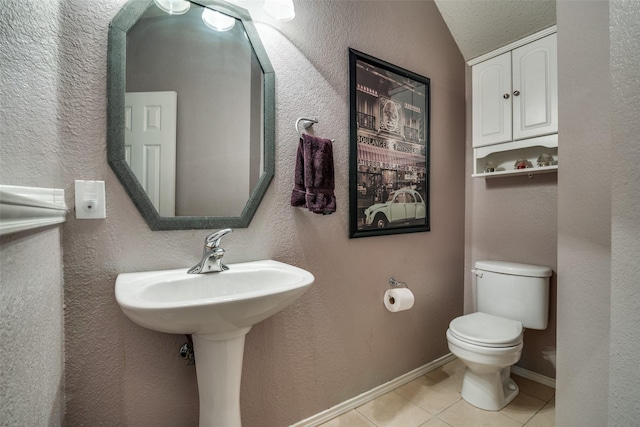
x,y
150,145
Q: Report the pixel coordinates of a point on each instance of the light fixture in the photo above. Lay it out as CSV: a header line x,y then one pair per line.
x,y
282,10
217,21
173,7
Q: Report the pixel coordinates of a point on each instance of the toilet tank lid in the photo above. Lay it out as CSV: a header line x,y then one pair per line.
x,y
514,268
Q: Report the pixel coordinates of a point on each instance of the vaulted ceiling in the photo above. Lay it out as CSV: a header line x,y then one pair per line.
x,y
480,26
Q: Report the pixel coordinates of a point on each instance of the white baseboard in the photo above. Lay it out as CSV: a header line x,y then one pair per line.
x,y
533,376
346,406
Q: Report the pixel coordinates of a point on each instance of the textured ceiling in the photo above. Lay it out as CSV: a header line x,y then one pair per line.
x,y
480,26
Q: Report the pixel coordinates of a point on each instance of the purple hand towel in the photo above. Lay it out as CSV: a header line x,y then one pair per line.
x,y
314,181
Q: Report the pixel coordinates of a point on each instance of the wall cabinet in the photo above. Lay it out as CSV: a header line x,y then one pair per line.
x,y
515,107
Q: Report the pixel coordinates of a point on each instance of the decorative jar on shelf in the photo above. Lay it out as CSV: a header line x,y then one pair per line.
x,y
521,164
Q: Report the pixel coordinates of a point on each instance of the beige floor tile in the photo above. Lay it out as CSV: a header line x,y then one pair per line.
x,y
435,422
449,375
462,414
428,394
434,400
546,417
392,410
523,407
350,419
534,388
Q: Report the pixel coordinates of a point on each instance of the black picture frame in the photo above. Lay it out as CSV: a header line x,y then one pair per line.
x,y
389,141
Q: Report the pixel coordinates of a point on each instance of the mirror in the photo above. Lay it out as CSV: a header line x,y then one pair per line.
x,y
191,112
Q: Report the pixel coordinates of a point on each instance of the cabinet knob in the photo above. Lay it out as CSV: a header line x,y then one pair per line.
x,y
505,96
516,92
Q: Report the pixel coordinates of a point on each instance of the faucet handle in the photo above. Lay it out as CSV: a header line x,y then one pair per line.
x,y
218,253
212,241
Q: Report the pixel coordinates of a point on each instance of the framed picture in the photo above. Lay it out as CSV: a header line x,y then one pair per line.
x,y
388,149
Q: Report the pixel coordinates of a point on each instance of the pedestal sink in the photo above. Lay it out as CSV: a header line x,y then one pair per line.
x,y
218,309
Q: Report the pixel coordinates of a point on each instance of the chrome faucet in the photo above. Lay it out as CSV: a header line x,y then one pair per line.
x,y
212,254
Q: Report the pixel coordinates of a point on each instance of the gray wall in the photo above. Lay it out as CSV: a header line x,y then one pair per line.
x,y
336,341
584,213
598,221
31,316
624,375
32,341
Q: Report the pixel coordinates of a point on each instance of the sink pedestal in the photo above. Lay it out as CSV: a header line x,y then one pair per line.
x,y
219,371
218,310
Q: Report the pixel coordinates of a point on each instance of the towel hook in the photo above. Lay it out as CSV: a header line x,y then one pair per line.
x,y
307,123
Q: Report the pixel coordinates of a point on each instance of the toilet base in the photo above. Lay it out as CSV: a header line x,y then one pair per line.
x,y
491,391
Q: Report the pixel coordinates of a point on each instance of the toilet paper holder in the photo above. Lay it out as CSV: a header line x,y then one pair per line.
x,y
398,299
397,284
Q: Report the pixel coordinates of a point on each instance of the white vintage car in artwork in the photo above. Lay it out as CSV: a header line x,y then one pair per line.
x,y
404,206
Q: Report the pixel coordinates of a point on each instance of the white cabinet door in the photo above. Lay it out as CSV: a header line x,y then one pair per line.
x,y
535,89
491,95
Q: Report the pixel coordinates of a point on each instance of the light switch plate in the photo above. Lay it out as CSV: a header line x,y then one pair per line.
x,y
91,201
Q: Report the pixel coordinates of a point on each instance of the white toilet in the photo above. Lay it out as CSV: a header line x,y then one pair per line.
x,y
510,297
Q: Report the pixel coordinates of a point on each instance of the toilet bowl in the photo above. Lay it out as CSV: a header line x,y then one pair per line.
x,y
510,297
488,357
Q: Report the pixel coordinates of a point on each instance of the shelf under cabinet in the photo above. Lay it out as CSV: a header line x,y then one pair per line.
x,y
505,155
528,171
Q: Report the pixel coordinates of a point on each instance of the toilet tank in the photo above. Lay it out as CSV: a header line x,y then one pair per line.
x,y
515,291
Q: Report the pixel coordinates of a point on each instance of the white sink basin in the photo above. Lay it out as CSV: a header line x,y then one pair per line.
x,y
176,302
218,309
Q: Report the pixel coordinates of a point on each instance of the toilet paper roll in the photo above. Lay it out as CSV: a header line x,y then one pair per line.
x,y
399,299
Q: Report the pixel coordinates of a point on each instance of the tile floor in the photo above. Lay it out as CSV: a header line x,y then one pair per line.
x,y
433,400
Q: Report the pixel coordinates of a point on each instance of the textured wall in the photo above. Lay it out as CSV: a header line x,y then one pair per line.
x,y
624,375
29,143
584,214
32,340
31,319
515,219
337,340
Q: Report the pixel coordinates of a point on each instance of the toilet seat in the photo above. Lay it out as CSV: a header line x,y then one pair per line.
x,y
486,330
473,351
